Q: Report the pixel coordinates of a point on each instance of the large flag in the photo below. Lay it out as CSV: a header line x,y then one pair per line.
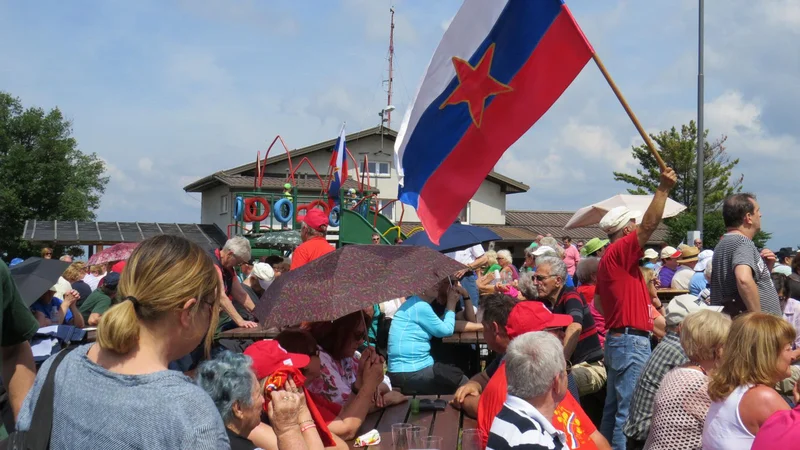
x,y
498,69
339,164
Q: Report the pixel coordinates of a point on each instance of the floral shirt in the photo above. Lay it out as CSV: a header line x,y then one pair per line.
x,y
337,378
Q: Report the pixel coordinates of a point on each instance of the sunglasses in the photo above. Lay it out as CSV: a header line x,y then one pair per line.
x,y
543,277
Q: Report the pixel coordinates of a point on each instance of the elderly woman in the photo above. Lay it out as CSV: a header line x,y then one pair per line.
x,y
581,342
758,354
526,285
508,272
681,403
491,263
169,291
343,421
74,276
342,371
236,392
586,274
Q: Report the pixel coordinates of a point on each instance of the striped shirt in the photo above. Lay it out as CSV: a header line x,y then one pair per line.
x,y
520,426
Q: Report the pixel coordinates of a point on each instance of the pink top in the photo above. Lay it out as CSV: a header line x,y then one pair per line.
x,y
571,258
679,411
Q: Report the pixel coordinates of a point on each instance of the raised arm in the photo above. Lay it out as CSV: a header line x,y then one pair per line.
x,y
652,217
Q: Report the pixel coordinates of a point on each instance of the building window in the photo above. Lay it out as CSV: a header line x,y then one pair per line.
x,y
379,169
223,204
464,215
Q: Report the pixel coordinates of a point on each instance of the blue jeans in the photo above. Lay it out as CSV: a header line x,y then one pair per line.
x,y
470,283
625,357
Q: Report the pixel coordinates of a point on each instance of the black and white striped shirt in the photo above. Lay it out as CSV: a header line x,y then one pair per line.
x,y
520,426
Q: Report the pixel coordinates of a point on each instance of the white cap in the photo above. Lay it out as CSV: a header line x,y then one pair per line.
x,y
650,254
683,305
544,250
617,219
703,260
670,253
263,273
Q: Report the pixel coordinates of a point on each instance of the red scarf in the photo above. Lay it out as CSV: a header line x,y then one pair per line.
x,y
278,379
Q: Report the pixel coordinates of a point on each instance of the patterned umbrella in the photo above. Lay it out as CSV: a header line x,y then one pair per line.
x,y
117,252
351,278
280,240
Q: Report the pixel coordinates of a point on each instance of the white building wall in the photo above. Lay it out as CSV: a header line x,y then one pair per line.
x,y
210,211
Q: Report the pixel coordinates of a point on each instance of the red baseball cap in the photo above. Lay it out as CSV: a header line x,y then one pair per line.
x,y
268,356
315,218
532,315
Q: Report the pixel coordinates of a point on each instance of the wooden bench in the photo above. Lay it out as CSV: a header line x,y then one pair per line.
x,y
447,424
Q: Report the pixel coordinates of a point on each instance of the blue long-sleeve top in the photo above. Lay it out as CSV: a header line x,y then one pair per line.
x,y
413,327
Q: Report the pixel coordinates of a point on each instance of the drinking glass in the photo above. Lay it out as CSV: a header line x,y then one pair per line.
x,y
400,432
416,435
471,439
432,443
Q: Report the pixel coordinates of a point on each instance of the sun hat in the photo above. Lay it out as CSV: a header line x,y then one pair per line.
x,y
703,260
315,218
683,305
689,254
264,273
533,316
594,245
617,219
670,253
268,356
544,249
650,254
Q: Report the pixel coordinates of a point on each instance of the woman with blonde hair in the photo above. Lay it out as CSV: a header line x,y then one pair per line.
x,y
758,354
491,264
169,301
681,403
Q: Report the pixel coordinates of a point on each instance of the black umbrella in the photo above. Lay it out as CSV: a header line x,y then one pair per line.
x,y
35,276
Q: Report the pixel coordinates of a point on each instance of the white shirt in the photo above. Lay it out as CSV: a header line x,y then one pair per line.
x,y
467,256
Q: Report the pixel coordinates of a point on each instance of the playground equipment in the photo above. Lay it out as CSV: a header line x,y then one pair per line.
x,y
355,216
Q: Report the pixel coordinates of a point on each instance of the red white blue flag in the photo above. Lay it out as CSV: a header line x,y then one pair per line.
x,y
498,69
339,164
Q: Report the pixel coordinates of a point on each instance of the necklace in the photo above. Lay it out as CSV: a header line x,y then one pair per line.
x,y
692,363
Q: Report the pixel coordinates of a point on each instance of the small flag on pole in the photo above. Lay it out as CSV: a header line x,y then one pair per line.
x,y
499,67
339,164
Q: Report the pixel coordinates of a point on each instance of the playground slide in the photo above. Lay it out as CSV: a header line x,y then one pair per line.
x,y
355,229
383,224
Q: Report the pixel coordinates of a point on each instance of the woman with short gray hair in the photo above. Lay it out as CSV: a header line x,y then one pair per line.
x,y
552,243
509,272
537,382
527,286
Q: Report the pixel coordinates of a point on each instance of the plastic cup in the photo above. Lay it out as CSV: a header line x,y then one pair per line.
x,y
471,439
432,443
400,432
416,435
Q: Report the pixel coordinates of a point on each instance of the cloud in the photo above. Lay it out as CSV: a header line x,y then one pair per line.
x,y
376,19
265,17
146,165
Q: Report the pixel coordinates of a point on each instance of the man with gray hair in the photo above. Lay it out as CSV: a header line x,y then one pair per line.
x,y
235,252
537,382
546,250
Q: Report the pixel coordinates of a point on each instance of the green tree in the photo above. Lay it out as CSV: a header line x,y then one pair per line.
x,y
678,149
45,176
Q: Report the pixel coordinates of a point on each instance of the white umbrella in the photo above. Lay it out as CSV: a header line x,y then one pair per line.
x,y
591,215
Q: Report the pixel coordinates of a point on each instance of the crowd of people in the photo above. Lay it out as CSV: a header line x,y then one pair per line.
x,y
586,354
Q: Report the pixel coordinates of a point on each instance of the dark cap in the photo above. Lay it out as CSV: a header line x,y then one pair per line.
x,y
111,280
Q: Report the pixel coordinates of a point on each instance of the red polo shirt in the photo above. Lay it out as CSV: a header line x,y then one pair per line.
x,y
310,250
568,417
621,287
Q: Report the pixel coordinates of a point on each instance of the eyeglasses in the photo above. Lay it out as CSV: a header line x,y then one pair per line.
x,y
543,277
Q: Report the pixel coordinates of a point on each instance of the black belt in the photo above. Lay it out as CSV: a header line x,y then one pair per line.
x,y
629,330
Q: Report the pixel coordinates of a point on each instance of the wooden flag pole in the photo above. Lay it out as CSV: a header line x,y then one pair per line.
x,y
628,110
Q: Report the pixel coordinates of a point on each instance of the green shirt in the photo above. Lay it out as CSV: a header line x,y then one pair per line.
x,y
17,321
492,268
97,302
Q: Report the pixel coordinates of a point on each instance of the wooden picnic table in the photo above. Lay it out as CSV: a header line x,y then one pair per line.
x,y
665,295
250,333
447,424
465,337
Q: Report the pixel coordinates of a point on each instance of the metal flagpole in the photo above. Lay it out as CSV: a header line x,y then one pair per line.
x,y
700,129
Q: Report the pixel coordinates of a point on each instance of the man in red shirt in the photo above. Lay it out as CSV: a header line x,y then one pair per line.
x,y
568,417
622,297
314,226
